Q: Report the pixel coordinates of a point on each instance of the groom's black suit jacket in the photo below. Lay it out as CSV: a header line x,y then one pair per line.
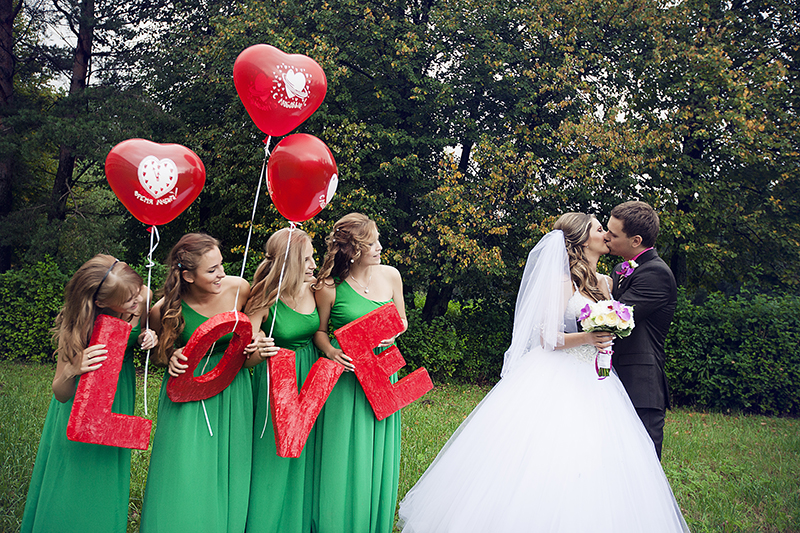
x,y
639,358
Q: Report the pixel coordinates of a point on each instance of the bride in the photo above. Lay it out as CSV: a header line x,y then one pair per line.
x,y
551,448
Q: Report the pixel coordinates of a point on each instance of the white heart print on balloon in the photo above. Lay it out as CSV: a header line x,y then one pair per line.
x,y
295,83
158,176
332,185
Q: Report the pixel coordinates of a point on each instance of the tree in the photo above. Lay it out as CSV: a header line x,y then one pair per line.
x,y
715,92
8,16
412,85
80,72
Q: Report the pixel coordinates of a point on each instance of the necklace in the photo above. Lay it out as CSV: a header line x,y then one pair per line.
x,y
366,289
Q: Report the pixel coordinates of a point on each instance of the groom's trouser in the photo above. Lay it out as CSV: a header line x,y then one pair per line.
x,y
653,420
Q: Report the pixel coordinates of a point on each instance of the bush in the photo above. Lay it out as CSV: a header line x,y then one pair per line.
x,y
740,353
466,344
31,298
435,346
486,329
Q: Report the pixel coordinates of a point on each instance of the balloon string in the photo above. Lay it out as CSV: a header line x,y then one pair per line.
x,y
261,178
292,227
150,265
208,356
208,422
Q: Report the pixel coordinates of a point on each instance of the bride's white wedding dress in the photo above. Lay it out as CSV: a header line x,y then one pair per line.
x,y
551,448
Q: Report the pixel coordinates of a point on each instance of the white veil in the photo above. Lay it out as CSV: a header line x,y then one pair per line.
x,y
545,289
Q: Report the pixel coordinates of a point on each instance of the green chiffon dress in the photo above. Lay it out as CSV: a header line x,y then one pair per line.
x,y
357,457
281,487
199,482
79,487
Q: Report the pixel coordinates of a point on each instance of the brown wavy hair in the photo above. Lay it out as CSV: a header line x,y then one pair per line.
x,y
101,280
351,235
184,256
576,228
265,281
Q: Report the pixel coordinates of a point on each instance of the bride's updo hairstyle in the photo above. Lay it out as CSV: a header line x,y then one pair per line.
x,y
351,235
576,228
184,256
265,281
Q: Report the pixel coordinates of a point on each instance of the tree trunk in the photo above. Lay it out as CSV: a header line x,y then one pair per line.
x,y
463,162
436,300
8,13
677,262
6,199
80,73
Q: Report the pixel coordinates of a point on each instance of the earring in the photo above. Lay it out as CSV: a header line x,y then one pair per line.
x,y
352,260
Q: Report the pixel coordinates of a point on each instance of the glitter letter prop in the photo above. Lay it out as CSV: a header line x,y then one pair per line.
x,y
357,340
187,387
294,414
91,419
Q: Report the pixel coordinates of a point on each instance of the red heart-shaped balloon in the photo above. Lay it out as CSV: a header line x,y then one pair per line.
x,y
301,176
278,90
155,182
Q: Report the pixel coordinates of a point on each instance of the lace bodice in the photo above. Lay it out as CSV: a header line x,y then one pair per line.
x,y
584,352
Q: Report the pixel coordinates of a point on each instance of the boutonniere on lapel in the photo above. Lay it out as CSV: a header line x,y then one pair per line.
x,y
626,268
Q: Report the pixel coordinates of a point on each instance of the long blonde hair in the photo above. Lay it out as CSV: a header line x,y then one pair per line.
x,y
351,235
265,281
184,256
101,280
576,228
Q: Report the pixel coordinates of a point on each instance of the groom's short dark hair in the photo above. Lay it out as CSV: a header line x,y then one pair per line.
x,y
638,218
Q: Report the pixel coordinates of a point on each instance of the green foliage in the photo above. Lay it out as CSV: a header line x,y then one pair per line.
x,y
467,344
157,272
435,345
32,297
463,127
713,102
486,329
727,353
736,353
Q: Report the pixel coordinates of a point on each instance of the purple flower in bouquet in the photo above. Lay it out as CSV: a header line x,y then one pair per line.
x,y
611,316
622,310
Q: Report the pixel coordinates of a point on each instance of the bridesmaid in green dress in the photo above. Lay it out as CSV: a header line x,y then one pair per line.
x,y
281,487
64,468
199,474
357,457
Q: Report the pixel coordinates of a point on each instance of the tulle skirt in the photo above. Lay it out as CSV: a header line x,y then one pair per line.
x,y
550,449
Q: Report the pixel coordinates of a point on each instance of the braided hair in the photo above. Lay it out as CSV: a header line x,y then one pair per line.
x,y
184,256
351,235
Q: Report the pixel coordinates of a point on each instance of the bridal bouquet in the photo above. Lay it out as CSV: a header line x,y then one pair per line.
x,y
607,315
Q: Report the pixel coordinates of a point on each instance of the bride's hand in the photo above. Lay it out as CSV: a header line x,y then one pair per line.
x,y
599,339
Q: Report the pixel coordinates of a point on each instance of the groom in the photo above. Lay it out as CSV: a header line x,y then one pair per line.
x,y
644,281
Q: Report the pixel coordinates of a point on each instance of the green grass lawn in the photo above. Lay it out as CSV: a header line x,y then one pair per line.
x,y
729,472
